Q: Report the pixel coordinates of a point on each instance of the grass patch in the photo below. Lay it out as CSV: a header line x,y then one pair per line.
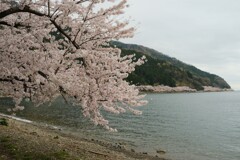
x,y
10,149
3,122
61,155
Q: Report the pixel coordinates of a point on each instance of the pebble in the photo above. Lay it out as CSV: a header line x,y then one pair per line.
x,y
161,152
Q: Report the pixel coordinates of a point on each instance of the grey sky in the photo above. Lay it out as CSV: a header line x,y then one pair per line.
x,y
204,33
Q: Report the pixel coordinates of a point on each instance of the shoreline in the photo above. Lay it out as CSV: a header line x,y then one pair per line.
x,y
28,139
179,89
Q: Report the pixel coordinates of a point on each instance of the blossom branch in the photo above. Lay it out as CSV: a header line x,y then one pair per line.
x,y
65,53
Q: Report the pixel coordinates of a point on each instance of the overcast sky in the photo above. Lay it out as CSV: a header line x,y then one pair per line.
x,y
204,33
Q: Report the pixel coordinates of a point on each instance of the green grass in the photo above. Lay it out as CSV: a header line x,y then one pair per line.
x,y
12,151
3,122
61,155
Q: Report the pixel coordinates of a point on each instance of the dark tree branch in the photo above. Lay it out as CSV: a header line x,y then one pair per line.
x,y
16,25
89,8
63,92
6,80
54,12
81,1
18,9
11,79
93,39
64,33
48,7
4,23
43,74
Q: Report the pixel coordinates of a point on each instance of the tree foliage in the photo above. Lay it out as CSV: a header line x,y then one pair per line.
x,y
161,69
80,66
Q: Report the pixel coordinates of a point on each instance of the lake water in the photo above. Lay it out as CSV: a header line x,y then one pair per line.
x,y
188,126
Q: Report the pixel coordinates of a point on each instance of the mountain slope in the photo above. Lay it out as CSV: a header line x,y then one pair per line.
x,y
161,69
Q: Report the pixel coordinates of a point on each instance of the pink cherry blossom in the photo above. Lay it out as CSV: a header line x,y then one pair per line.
x,y
58,48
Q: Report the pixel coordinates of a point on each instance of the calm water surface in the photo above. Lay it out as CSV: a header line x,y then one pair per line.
x,y
194,126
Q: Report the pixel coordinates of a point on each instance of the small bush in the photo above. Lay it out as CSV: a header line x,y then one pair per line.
x,y
3,122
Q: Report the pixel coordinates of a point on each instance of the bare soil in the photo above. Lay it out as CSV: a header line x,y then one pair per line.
x,y
20,140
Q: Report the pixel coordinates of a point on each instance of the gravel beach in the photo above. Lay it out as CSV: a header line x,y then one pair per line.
x,y
26,140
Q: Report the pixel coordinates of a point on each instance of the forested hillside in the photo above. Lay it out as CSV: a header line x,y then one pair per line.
x,y
161,69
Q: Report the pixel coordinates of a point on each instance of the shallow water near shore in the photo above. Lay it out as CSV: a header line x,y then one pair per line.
x,y
192,126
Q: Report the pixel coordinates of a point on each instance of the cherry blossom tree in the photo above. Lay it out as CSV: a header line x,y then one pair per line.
x,y
61,47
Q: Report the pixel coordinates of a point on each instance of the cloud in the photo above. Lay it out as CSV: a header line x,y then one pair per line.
x,y
204,33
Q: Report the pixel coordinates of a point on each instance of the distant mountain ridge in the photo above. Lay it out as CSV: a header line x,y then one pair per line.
x,y
161,69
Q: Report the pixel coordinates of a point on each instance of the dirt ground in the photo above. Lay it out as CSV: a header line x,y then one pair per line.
x,y
21,140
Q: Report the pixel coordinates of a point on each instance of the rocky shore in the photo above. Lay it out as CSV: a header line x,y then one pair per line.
x,y
27,140
165,89
215,89
180,89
